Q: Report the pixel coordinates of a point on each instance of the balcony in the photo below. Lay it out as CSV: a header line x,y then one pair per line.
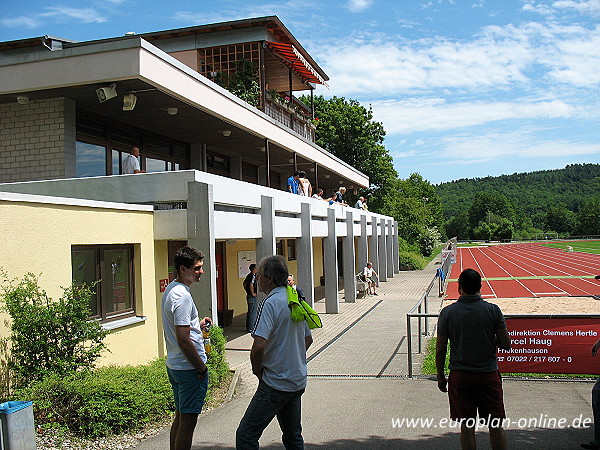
x,y
291,113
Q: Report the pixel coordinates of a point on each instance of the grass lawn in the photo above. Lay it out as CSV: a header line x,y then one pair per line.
x,y
428,367
578,246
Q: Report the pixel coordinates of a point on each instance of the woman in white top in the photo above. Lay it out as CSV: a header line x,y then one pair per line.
x,y
305,186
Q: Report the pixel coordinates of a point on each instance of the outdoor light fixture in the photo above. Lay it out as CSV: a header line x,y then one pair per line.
x,y
106,93
213,74
22,99
290,161
262,149
226,133
172,111
129,102
327,176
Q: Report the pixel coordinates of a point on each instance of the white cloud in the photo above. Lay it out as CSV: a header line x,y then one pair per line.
x,y
522,143
18,22
435,115
583,7
499,58
86,15
358,5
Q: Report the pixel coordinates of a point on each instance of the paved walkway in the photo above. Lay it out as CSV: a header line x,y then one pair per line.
x,y
358,386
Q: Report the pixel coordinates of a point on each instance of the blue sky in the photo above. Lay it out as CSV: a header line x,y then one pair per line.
x,y
464,88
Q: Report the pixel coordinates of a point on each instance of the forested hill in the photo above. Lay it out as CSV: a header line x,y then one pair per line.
x,y
531,193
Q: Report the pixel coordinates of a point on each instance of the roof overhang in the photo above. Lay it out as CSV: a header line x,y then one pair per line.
x,y
135,64
293,59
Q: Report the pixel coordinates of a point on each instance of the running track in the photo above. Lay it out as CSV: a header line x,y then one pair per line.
x,y
528,270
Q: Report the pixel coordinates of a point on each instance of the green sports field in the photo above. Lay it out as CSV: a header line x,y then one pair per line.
x,y
578,246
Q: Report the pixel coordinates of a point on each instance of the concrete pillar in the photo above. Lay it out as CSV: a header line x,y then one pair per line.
x,y
265,246
304,253
374,245
331,267
382,252
396,250
201,235
389,245
235,167
349,260
362,251
70,137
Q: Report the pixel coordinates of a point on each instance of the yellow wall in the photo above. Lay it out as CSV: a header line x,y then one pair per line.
x,y
38,237
161,272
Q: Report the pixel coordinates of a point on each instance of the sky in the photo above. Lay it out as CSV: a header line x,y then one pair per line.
x,y
464,89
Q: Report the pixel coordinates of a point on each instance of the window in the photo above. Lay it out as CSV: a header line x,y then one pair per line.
x,y
111,268
90,160
291,249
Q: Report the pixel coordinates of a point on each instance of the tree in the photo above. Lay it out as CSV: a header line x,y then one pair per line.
x,y
589,216
558,218
487,204
347,130
50,336
243,82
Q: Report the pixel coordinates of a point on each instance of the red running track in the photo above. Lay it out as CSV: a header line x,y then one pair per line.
x,y
528,260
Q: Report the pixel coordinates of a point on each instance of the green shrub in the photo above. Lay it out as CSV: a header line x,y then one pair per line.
x,y
217,364
50,336
411,261
111,400
106,401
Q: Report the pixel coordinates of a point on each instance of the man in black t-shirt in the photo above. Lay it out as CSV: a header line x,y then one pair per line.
x,y
250,288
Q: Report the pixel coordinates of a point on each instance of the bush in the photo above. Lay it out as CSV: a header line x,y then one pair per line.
x,y
411,261
216,363
47,336
113,399
108,400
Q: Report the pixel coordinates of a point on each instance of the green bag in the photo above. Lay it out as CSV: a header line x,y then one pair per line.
x,y
301,310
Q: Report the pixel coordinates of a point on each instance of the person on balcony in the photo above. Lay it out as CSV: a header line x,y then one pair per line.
x,y
293,183
131,163
318,194
305,186
338,197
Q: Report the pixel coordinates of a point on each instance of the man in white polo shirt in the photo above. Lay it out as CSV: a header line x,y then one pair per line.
x,y
278,358
131,163
186,358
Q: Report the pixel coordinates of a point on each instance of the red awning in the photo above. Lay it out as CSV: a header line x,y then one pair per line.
x,y
292,58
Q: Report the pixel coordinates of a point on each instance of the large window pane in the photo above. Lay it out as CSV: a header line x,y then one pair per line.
x,y
118,283
116,160
90,160
155,165
85,270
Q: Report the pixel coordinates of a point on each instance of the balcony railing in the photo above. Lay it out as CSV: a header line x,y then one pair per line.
x,y
291,117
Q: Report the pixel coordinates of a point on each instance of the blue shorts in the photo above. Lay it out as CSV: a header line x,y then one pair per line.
x,y
188,390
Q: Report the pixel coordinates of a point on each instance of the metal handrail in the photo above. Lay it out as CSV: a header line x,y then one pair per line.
x,y
423,302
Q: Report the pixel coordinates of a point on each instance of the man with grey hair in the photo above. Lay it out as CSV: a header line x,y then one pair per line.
x,y
278,358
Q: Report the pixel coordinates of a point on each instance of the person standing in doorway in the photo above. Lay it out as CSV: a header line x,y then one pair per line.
x,y
186,358
278,358
250,288
132,163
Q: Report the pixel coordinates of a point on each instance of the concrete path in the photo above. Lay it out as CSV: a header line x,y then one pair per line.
x,y
359,395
